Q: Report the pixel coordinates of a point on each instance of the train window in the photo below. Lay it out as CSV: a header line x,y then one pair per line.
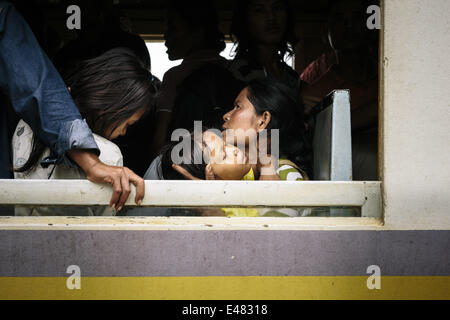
x,y
161,62
332,66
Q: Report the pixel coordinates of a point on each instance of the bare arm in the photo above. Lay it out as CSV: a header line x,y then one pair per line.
x,y
118,177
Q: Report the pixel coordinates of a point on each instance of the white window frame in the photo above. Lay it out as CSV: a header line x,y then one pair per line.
x,y
366,194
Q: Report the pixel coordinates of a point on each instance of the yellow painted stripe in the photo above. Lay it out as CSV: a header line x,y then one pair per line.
x,y
225,288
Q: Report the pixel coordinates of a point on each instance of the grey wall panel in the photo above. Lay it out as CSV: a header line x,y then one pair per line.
x,y
224,253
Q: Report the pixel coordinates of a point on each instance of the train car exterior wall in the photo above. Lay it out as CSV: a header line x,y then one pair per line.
x,y
409,249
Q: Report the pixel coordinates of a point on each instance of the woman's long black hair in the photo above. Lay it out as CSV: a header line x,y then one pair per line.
x,y
287,115
240,31
107,90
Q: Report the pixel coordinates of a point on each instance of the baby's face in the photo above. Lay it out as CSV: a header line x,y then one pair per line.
x,y
227,161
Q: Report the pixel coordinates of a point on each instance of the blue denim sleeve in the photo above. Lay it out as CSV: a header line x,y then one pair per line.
x,y
36,90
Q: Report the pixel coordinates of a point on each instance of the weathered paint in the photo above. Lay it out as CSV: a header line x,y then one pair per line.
x,y
225,264
224,253
194,193
415,175
416,114
366,195
226,288
189,223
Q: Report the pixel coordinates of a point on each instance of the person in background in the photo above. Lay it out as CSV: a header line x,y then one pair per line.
x,y
36,92
100,31
204,96
264,35
191,34
351,64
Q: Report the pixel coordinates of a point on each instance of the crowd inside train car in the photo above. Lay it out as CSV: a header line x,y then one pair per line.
x,y
66,108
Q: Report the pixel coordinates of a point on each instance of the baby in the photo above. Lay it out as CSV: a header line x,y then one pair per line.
x,y
205,157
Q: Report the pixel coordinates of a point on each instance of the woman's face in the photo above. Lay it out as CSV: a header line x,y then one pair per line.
x,y
121,130
267,21
178,36
227,161
242,121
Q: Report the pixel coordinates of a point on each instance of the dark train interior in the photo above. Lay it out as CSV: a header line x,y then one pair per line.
x,y
147,19
327,30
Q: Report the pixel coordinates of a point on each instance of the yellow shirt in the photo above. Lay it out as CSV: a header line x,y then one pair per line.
x,y
242,212
250,175
287,171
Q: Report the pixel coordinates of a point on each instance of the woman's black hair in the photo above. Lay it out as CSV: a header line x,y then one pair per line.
x,y
287,115
205,96
107,90
111,88
240,31
189,163
201,14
